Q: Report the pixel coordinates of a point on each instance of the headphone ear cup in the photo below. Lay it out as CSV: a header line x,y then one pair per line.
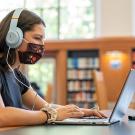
x,y
14,38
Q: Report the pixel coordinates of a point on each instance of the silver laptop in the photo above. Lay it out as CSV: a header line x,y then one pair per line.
x,y
119,110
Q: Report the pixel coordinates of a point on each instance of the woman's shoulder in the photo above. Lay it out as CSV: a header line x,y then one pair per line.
x,y
1,76
2,70
18,72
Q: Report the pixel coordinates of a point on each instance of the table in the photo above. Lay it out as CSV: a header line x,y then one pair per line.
x,y
124,128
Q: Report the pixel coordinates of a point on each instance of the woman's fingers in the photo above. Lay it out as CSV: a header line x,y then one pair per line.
x,y
93,112
103,115
72,109
98,114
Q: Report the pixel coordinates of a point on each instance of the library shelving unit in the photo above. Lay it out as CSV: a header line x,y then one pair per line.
x,y
132,104
80,83
66,50
133,58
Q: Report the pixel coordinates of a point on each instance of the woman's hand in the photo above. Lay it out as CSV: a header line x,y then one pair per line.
x,y
69,111
93,112
73,111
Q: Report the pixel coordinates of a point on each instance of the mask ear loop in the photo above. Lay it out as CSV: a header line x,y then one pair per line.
x,y
29,87
26,40
43,42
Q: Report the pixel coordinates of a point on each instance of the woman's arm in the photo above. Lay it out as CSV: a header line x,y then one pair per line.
x,y
63,111
11,116
1,102
31,98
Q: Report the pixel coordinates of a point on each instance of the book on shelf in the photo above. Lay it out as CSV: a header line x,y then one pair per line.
x,y
80,83
133,66
79,74
80,97
80,86
83,63
133,56
82,100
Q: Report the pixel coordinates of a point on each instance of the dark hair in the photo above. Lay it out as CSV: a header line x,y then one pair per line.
x,y
26,22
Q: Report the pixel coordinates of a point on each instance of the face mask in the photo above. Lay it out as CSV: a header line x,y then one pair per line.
x,y
33,53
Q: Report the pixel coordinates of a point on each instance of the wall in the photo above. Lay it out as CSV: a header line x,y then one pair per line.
x,y
115,77
115,17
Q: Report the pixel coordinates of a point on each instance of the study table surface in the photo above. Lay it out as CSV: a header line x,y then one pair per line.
x,y
123,128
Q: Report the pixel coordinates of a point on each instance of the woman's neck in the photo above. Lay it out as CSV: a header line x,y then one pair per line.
x,y
16,65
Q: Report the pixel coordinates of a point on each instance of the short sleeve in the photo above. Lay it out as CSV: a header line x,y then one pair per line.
x,y
1,78
24,80
0,82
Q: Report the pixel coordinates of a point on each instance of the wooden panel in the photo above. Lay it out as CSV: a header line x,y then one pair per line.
x,y
114,78
99,43
61,61
101,93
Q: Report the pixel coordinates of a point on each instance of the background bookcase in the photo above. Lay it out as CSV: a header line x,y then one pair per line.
x,y
132,104
133,58
80,83
114,79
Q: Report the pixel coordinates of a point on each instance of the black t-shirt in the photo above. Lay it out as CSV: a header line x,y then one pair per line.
x,y
11,90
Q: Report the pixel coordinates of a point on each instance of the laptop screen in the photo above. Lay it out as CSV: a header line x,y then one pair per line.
x,y
125,98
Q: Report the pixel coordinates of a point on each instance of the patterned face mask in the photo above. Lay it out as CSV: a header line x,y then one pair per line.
x,y
33,53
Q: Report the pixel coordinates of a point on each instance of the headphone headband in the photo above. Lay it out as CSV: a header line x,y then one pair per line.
x,y
14,19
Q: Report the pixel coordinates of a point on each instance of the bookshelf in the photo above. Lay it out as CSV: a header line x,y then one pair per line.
x,y
133,58
80,83
60,50
132,104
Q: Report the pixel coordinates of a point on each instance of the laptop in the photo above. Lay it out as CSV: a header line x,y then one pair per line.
x,y
119,110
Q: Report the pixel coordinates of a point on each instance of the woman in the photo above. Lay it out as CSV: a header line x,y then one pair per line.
x,y
26,46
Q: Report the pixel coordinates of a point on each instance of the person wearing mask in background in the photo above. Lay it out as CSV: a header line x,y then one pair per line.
x,y
22,35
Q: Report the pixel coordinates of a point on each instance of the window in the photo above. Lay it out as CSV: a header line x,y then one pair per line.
x,y
8,5
42,73
77,19
65,19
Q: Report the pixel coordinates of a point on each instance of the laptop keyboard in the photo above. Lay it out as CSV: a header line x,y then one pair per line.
x,y
87,120
91,117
